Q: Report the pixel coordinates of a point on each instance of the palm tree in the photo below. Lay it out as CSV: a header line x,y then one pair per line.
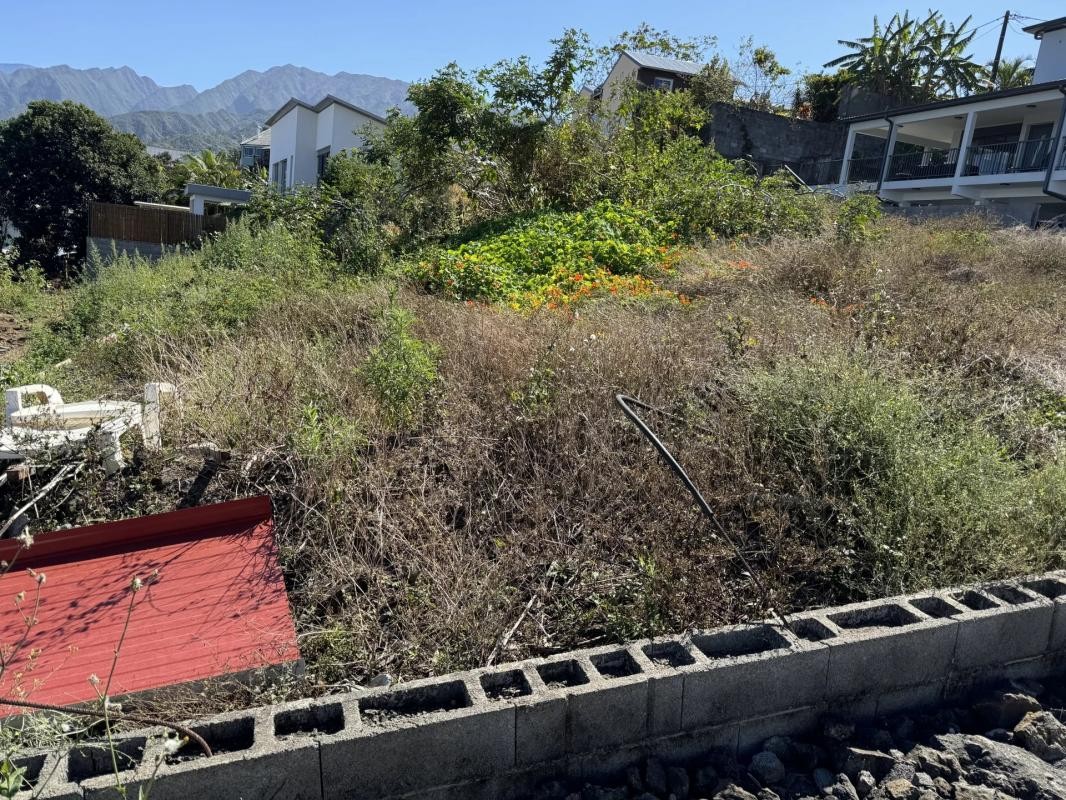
x,y
207,167
214,169
913,60
949,70
1012,73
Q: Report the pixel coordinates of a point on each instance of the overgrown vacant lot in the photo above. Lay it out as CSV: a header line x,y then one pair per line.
x,y
865,417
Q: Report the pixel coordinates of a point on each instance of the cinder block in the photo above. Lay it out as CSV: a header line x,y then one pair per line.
x,y
540,723
419,736
540,713
885,645
964,683
1053,587
665,661
612,708
91,766
46,773
248,762
751,671
1002,623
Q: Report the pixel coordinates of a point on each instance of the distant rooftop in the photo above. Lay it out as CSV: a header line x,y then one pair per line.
x,y
1040,28
261,139
650,61
321,105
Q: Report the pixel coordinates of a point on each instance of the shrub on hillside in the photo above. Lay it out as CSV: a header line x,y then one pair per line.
x,y
557,258
867,466
401,371
220,287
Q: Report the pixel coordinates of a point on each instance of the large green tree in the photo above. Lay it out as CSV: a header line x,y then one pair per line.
x,y
914,60
54,159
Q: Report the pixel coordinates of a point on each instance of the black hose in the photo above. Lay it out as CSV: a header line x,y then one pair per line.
x,y
625,402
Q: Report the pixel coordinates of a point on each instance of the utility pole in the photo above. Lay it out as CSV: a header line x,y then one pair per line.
x,y
999,47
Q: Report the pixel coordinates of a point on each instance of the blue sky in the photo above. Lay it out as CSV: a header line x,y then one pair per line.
x,y
202,43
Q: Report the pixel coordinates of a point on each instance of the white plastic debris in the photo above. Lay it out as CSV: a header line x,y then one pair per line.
x,y
56,426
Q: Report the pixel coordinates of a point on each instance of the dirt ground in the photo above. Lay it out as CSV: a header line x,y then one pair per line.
x,y
12,337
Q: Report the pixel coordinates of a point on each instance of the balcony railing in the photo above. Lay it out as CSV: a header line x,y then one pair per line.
x,y
925,165
1033,155
1062,155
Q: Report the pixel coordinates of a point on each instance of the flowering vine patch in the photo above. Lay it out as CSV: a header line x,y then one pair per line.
x,y
557,260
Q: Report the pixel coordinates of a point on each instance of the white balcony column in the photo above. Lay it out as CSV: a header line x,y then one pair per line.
x,y
890,149
845,165
1057,139
964,144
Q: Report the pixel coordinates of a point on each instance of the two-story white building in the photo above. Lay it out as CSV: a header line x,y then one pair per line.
x,y
1001,148
302,137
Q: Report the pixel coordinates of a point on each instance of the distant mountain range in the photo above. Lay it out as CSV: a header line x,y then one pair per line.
x,y
179,117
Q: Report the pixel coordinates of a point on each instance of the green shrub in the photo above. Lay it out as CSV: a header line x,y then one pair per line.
x,y
856,218
401,371
24,293
569,254
897,483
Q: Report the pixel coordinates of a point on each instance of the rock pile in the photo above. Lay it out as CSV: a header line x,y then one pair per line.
x,y
1009,744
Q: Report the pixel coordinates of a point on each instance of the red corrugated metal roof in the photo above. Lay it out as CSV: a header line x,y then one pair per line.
x,y
218,604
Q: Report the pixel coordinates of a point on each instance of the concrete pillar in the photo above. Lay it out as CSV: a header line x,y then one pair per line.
x,y
849,148
964,144
196,204
153,400
890,147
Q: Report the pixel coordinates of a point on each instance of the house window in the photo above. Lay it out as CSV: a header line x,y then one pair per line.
x,y
666,84
323,159
280,174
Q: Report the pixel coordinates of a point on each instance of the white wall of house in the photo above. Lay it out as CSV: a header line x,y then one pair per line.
x,y
1051,59
299,136
624,69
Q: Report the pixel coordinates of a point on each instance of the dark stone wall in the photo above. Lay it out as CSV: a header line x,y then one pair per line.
x,y
771,138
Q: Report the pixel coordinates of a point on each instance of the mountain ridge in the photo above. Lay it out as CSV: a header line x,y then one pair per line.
x,y
182,118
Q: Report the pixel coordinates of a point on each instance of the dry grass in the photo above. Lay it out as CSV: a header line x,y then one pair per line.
x,y
519,493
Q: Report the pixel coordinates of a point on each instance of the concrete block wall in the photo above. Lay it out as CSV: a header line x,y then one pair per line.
x,y
498,732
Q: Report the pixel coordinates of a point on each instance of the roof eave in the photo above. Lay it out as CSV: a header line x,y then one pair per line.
x,y
902,111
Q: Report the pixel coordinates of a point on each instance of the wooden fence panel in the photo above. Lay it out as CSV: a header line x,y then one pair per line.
x,y
145,224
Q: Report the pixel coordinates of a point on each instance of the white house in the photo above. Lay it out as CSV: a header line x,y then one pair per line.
x,y
1001,148
302,137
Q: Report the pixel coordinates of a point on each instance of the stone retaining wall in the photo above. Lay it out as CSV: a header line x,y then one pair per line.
x,y
498,732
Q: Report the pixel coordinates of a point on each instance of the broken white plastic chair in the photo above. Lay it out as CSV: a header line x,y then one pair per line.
x,y
56,425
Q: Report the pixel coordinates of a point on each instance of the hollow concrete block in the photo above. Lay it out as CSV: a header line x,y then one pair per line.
x,y
1002,623
751,733
540,715
885,645
1053,587
751,671
666,661
249,762
47,773
612,708
418,744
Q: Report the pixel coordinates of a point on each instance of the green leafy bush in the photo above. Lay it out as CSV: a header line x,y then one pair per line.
x,y
401,371
856,218
555,254
910,492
